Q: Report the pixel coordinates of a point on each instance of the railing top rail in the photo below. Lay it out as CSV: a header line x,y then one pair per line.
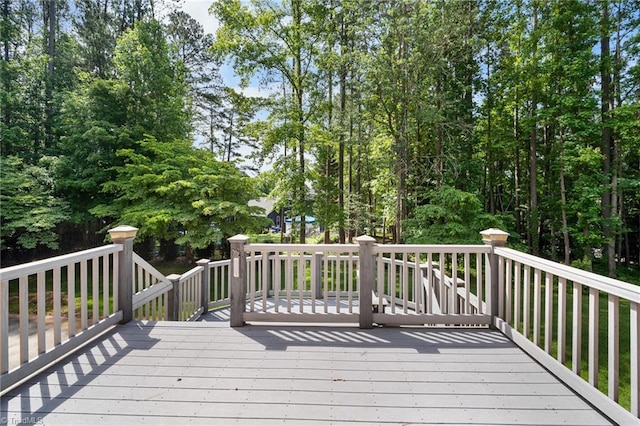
x,y
30,268
431,248
191,272
215,263
306,248
384,248
609,285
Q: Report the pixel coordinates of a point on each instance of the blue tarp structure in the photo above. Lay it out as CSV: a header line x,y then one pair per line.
x,y
308,219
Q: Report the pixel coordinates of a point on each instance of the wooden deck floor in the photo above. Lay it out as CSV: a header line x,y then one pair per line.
x,y
208,373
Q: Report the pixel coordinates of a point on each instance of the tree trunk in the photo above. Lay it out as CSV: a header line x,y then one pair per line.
x,y
6,30
327,161
298,89
230,140
533,231
518,169
565,226
51,46
343,104
490,168
607,137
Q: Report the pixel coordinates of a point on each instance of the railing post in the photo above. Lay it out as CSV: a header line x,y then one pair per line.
x,y
238,283
365,272
495,238
205,285
317,273
269,284
173,298
125,235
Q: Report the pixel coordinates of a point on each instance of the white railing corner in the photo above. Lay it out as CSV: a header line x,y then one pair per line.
x,y
125,235
366,273
238,282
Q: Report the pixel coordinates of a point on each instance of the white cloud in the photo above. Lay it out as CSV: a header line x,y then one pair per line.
x,y
199,10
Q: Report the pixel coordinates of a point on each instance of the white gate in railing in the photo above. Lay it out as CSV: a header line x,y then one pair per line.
x,y
295,282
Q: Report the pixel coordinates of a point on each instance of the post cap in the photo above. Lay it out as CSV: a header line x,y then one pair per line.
x,y
123,232
365,239
238,239
494,237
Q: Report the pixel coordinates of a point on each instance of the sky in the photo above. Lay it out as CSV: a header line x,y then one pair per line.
x,y
199,10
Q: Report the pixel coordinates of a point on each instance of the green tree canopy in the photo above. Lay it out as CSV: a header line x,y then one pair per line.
x,y
30,210
178,193
451,216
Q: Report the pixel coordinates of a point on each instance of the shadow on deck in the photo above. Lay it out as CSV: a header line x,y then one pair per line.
x,y
180,373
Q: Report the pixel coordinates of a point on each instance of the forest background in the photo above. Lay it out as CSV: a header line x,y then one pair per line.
x,y
418,121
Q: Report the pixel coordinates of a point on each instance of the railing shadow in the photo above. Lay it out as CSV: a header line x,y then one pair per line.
x,y
30,402
420,339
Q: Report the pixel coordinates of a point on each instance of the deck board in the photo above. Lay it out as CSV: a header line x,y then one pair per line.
x,y
182,373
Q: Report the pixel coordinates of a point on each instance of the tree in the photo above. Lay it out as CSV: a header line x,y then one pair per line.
x,y
94,25
235,127
175,192
157,84
30,210
279,41
96,123
189,45
451,217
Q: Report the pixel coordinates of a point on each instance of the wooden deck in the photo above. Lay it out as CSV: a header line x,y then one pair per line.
x,y
208,373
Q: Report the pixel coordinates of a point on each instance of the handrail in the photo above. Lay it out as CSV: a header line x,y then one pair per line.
x,y
189,294
149,300
441,284
89,277
219,279
431,248
262,247
137,260
535,297
611,286
326,275
31,268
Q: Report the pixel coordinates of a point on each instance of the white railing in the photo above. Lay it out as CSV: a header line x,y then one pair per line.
x,y
50,308
559,314
188,295
219,294
55,306
297,282
562,314
432,284
150,291
331,283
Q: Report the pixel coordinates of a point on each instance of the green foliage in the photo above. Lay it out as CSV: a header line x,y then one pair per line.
x,y
177,193
95,122
30,210
377,111
451,217
264,238
325,208
157,101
